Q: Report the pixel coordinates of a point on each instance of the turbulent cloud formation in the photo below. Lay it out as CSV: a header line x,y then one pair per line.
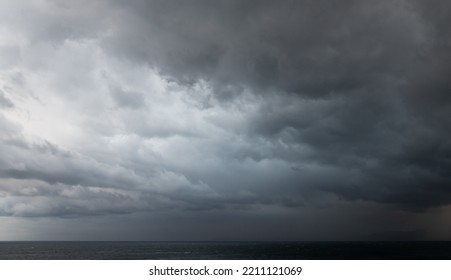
x,y
271,114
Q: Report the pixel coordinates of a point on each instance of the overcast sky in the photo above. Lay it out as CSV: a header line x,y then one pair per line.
x,y
225,120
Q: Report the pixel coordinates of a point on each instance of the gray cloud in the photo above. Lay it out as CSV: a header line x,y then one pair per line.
x,y
309,48
226,107
4,101
375,75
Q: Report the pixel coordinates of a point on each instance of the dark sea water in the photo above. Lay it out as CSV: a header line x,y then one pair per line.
x,y
225,250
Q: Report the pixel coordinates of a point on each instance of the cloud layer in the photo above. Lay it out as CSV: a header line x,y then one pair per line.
x,y
288,109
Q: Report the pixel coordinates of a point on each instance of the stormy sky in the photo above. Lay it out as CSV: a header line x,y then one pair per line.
x,y
225,120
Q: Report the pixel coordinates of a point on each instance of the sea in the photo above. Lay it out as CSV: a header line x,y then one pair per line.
x,y
418,250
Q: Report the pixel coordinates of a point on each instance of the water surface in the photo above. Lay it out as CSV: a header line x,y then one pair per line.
x,y
224,250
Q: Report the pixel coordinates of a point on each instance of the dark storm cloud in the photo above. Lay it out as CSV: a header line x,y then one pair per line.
x,y
312,48
300,112
364,85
